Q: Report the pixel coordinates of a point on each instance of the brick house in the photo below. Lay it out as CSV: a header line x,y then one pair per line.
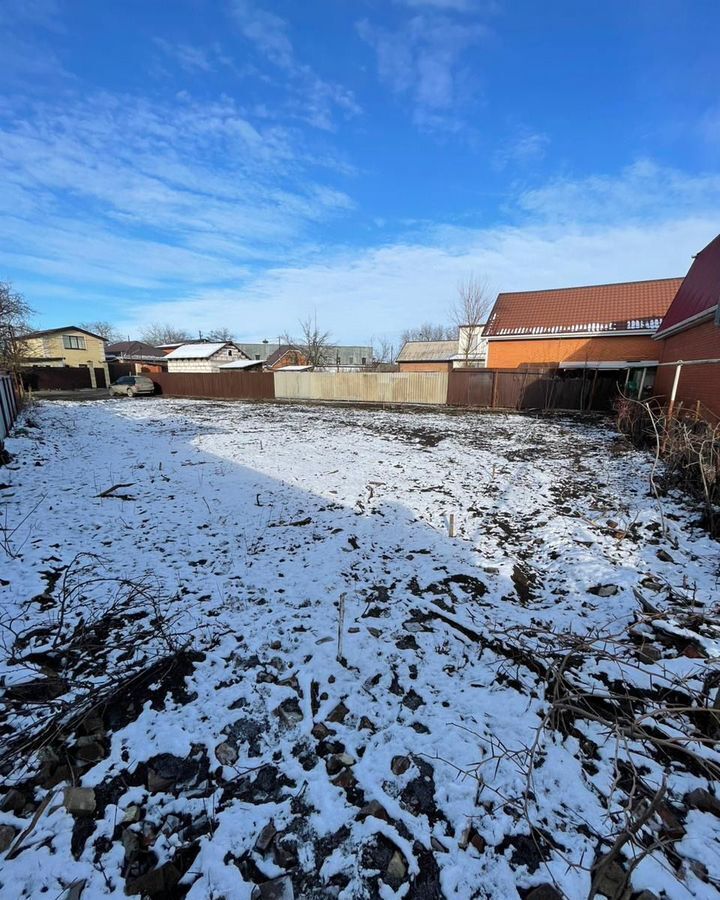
x,y
427,356
601,327
689,332
207,356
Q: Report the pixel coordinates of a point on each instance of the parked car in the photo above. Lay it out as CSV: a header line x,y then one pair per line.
x,y
130,385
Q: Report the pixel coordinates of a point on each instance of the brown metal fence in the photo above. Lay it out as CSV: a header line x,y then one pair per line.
x,y
9,403
56,378
220,385
531,389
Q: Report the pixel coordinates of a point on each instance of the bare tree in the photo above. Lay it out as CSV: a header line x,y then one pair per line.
x,y
314,344
469,313
383,353
158,333
14,315
429,332
102,328
222,333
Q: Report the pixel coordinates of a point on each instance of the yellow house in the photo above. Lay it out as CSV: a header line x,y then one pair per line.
x,y
69,346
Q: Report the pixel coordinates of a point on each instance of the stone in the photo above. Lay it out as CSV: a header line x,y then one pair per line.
x,y
396,870
14,801
75,891
156,881
603,590
80,801
7,836
648,653
276,889
400,765
266,837
437,846
544,892
131,843
375,809
353,630
366,724
338,714
375,632
167,772
285,855
703,800
664,556
345,779
412,700
89,749
289,712
612,880
471,838
320,731
226,754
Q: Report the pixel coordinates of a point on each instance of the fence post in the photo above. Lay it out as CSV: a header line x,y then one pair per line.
x,y
493,396
673,394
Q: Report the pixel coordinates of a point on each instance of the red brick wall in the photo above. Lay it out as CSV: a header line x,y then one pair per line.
x,y
549,351
696,382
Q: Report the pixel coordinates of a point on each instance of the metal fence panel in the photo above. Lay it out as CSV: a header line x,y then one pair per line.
x,y
363,387
220,385
8,404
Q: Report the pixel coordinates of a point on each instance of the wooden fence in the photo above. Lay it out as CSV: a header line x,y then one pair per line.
x,y
220,385
363,387
9,404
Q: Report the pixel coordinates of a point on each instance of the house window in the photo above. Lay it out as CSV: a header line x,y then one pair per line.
x,y
71,342
257,356
350,360
363,361
229,352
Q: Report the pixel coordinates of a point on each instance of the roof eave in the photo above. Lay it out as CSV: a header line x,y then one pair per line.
x,y
690,322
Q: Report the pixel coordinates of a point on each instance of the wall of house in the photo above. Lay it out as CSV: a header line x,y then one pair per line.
x,y
696,382
192,365
51,345
549,351
425,366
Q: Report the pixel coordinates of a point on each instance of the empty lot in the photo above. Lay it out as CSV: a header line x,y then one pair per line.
x,y
328,658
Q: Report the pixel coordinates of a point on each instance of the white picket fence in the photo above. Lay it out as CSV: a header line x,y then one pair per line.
x,y
8,404
363,387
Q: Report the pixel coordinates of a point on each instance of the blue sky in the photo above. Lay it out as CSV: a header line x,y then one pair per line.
x,y
244,163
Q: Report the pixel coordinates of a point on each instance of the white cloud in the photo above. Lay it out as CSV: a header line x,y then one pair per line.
x,y
384,289
522,149
269,33
422,61
194,189
643,190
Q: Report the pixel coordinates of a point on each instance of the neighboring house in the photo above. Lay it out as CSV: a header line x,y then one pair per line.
x,y
207,356
690,330
427,356
69,346
598,327
349,357
139,356
242,365
259,351
285,356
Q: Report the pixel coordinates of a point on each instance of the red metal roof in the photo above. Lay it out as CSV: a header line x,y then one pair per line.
x,y
636,306
699,292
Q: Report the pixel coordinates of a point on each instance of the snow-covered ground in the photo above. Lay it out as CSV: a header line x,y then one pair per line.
x,y
173,645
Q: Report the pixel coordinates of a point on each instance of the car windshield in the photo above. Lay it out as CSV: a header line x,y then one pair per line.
x,y
124,380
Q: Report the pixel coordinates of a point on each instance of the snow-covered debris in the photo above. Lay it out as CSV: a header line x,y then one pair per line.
x,y
266,669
